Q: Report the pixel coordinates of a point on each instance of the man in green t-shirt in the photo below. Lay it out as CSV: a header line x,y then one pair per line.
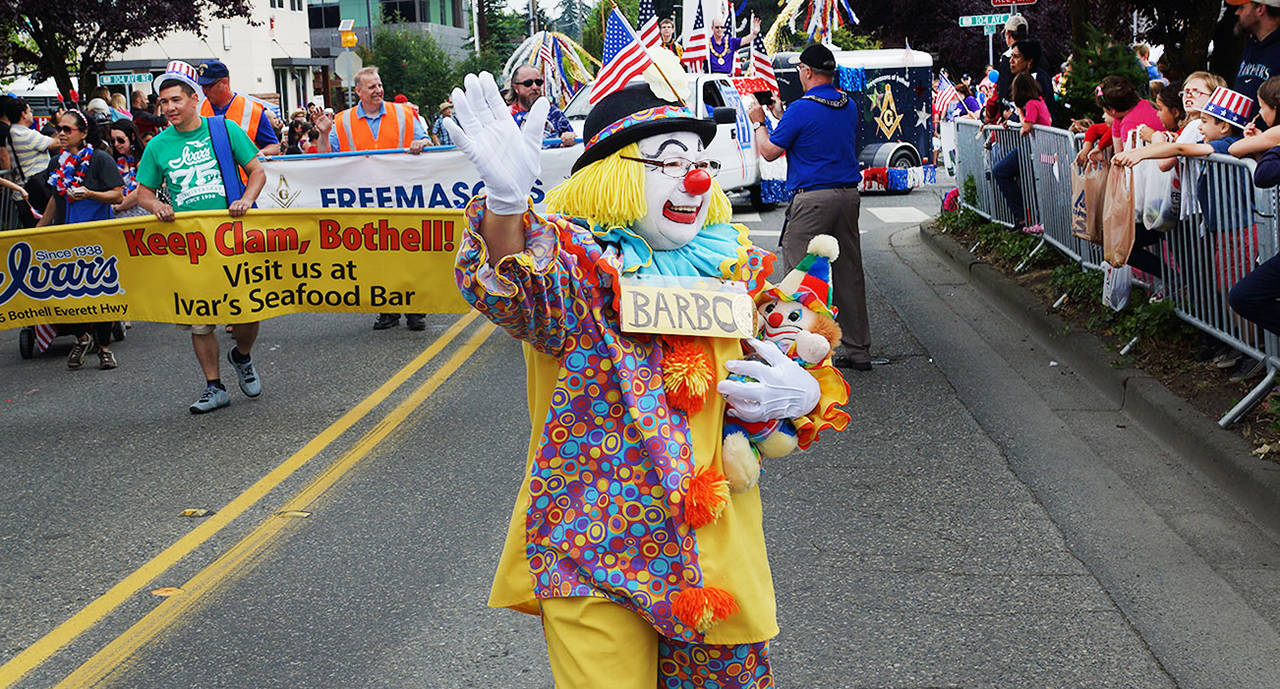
x,y
182,158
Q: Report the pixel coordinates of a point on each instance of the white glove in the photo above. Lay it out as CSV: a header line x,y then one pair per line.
x,y
508,158
783,388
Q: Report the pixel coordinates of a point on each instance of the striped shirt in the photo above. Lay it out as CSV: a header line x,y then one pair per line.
x,y
32,148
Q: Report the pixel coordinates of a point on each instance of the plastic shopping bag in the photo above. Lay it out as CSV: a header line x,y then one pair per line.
x,y
1115,285
1088,193
1160,198
1117,217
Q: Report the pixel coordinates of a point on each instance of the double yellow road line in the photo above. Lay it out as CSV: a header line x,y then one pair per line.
x,y
252,545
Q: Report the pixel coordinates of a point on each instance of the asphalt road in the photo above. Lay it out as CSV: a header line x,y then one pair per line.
x,y
987,520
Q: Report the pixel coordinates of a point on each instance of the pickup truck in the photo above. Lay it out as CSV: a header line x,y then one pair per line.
x,y
714,97
894,97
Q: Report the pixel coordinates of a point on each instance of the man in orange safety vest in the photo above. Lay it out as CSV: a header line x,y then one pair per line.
x,y
219,99
375,124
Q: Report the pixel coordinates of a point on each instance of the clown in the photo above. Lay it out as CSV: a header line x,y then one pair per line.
x,y
624,537
796,316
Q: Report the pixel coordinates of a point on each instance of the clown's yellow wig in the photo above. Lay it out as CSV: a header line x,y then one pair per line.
x,y
610,193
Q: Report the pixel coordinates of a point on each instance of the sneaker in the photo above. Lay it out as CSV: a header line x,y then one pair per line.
x,y
1248,369
106,359
1035,230
75,358
249,383
212,398
386,320
1227,359
416,321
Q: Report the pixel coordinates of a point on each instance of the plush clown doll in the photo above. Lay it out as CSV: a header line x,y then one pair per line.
x,y
625,538
798,318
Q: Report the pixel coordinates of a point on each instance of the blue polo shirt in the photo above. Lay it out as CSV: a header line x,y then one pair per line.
x,y
820,141
1259,61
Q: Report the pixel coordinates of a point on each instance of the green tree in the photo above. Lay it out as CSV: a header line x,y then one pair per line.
x,y
413,64
1098,57
490,61
61,39
847,40
593,29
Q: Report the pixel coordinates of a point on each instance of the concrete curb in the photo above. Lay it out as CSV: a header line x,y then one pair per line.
x,y
1221,454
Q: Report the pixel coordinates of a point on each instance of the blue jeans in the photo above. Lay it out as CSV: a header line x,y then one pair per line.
x,y
1006,175
1256,297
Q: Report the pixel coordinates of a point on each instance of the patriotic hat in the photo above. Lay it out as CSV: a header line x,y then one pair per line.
x,y
1229,106
630,114
179,70
810,281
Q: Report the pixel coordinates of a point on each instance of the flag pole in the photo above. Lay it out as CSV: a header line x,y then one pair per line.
x,y
661,73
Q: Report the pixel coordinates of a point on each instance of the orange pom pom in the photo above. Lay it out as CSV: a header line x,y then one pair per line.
x,y
687,372
708,494
702,608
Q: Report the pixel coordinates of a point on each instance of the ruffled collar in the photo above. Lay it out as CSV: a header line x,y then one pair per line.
x,y
716,251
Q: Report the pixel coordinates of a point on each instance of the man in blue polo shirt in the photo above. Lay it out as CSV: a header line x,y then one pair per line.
x,y
1261,58
817,133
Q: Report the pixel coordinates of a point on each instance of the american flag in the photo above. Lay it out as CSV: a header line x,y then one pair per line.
x,y
648,21
44,336
544,51
625,58
945,98
695,44
548,67
760,63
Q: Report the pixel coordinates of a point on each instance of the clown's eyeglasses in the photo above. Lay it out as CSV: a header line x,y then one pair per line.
x,y
679,167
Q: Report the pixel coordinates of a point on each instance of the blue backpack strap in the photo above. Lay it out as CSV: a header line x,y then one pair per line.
x,y
226,159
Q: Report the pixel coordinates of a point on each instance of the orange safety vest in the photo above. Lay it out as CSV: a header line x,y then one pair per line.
x,y
247,117
394,131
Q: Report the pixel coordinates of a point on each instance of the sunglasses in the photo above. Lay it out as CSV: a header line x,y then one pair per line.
x,y
120,140
529,82
64,129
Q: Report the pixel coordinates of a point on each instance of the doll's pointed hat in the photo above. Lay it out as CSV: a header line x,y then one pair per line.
x,y
809,283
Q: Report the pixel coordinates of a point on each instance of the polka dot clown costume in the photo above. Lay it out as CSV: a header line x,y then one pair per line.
x,y
624,537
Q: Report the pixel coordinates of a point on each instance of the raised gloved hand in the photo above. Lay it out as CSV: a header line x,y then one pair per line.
x,y
508,158
782,389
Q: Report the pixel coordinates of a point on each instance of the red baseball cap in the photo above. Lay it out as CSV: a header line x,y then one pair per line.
x,y
401,98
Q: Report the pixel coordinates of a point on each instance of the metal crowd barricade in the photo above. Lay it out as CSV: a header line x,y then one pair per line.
x,y
1227,227
9,208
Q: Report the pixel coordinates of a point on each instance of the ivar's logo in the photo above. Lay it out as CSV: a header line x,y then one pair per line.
x,y
79,272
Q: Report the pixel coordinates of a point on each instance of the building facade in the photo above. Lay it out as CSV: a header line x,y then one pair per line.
x,y
272,61
446,21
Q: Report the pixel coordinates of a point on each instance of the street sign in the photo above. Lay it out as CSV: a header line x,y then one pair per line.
x,y
347,64
984,19
990,30
114,79
1011,3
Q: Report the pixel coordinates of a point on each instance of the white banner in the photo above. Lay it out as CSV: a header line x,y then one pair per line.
x,y
433,179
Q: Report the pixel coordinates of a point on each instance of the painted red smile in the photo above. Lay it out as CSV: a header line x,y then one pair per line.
x,y
680,214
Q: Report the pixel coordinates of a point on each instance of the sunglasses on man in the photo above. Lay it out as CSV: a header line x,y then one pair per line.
x,y
529,82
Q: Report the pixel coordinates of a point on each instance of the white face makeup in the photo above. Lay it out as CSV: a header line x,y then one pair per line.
x,y
674,214
784,321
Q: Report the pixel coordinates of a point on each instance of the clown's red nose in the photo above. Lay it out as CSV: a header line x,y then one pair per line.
x,y
697,182
775,319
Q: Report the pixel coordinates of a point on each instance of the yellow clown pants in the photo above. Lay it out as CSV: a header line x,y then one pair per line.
x,y
594,643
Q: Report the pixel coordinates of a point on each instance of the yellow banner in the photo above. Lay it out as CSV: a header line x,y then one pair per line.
x,y
207,267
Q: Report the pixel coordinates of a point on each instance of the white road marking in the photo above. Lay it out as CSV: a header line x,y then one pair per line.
x,y
746,217
898,214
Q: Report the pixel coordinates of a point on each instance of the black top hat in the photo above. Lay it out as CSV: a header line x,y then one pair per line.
x,y
633,113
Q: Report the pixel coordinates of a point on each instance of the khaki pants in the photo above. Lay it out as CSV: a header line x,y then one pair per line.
x,y
834,212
